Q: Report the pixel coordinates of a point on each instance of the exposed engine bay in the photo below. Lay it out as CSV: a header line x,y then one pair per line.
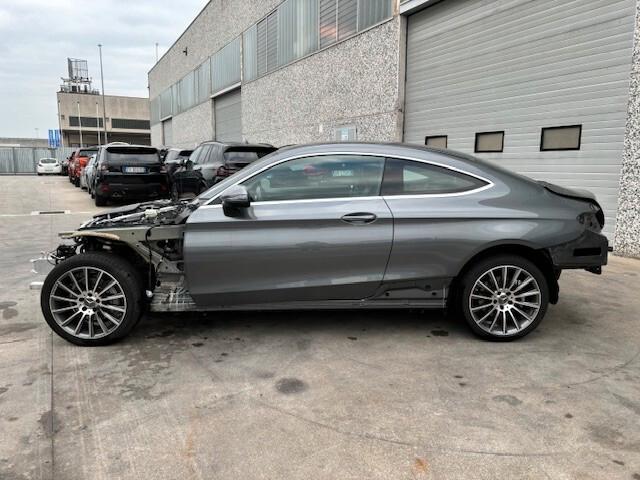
x,y
150,236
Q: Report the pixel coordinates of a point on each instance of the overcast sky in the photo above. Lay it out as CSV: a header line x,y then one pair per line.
x,y
37,36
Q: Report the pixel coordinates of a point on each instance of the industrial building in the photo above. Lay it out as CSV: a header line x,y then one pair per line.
x,y
548,88
83,112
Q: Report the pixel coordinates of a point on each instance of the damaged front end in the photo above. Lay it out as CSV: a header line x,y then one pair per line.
x,y
148,235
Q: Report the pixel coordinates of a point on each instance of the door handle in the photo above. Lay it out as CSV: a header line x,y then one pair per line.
x,y
359,218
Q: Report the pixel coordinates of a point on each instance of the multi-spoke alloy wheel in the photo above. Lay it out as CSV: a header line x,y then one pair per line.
x,y
505,297
505,300
92,298
88,302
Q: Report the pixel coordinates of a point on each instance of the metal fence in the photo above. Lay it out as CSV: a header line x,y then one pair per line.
x,y
16,160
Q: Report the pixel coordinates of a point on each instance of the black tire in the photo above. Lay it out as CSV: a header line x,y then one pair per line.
x,y
76,181
121,270
506,300
99,200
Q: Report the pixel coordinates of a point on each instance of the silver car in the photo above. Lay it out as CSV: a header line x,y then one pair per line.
x,y
337,226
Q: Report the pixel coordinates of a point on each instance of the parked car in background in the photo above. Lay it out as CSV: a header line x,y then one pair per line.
x,y
77,163
333,226
88,174
176,159
212,162
129,172
65,166
48,166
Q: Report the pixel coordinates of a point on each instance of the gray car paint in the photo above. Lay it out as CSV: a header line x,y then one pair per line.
x,y
299,251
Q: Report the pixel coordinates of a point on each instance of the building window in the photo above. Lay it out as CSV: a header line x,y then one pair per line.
x,y
249,54
166,103
436,141
297,29
561,138
225,66
89,122
203,81
489,142
130,124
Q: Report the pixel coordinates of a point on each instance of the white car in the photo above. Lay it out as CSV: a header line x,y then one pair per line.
x,y
49,166
88,175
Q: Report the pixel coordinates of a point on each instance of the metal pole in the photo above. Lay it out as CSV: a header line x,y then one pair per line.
x,y
104,108
156,52
98,122
80,124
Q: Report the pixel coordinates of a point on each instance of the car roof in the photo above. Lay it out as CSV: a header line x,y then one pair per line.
x,y
238,144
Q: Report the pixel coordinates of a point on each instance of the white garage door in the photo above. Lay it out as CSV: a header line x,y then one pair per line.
x,y
518,66
228,117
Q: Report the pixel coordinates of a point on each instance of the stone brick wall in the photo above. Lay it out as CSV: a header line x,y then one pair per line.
x,y
627,236
355,82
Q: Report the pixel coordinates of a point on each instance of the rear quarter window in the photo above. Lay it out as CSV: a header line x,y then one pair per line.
x,y
407,177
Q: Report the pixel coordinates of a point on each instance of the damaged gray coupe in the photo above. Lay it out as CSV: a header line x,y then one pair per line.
x,y
338,226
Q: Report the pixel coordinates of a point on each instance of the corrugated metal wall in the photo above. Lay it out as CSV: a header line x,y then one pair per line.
x,y
519,66
25,159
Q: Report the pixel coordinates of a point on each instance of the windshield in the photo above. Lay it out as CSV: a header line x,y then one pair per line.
x,y
48,160
87,153
132,155
245,172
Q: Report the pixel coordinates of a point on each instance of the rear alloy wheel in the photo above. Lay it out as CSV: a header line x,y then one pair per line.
x,y
504,297
92,299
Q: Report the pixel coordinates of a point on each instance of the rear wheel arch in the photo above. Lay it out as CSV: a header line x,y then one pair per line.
x,y
540,257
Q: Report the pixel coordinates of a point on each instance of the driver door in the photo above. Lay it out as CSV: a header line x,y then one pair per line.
x,y
317,229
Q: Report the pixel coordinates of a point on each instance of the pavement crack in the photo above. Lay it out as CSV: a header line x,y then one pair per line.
x,y
608,373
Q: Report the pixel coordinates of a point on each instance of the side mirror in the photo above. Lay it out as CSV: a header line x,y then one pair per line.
x,y
235,198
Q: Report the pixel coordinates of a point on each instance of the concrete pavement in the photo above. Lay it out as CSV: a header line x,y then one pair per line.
x,y
344,395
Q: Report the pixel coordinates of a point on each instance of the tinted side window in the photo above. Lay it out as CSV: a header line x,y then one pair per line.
x,y
406,177
327,176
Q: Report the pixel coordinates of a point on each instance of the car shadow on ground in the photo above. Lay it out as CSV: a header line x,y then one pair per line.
x,y
350,324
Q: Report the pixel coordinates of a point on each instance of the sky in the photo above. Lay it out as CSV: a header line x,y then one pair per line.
x,y
37,36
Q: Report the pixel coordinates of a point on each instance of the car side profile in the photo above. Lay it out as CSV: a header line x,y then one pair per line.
x,y
212,162
333,226
78,161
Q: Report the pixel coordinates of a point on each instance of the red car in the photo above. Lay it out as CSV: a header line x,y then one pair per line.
x,y
77,161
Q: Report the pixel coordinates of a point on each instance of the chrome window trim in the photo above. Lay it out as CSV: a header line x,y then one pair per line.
x,y
489,183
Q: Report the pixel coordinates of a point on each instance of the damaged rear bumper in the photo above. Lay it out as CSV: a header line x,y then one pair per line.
x,y
589,251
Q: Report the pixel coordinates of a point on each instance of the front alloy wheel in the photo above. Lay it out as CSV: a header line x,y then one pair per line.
x,y
505,298
92,299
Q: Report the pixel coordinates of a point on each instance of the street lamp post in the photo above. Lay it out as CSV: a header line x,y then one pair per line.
x,y
98,123
104,110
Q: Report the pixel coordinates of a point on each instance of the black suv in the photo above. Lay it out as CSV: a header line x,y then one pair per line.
x,y
127,172
211,162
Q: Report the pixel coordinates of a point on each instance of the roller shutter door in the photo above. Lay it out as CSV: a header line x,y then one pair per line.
x,y
518,66
228,117
167,133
